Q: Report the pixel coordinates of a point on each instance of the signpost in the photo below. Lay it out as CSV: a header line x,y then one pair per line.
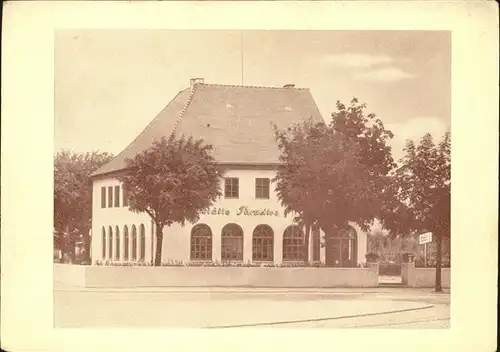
x,y
424,239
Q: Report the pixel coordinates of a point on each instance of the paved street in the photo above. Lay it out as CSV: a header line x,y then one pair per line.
x,y
245,307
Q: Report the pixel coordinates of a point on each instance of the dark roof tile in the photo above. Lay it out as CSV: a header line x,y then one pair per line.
x,y
236,120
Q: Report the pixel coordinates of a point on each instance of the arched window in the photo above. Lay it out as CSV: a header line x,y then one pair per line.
x,y
134,243
117,248
142,232
293,243
103,243
348,234
341,250
110,243
262,243
201,242
126,243
232,242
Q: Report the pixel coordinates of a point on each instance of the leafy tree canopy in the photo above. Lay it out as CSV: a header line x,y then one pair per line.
x,y
420,189
420,193
172,182
334,174
73,194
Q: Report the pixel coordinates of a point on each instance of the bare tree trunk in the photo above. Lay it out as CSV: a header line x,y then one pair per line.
x,y
438,262
306,244
159,243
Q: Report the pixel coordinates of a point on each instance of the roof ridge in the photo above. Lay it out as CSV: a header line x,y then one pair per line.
x,y
251,86
183,111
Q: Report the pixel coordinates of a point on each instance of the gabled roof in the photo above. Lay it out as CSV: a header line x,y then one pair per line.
x,y
236,120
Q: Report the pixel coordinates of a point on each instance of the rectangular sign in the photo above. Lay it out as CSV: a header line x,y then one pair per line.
x,y
425,238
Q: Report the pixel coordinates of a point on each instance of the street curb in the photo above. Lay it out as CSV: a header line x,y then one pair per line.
x,y
249,289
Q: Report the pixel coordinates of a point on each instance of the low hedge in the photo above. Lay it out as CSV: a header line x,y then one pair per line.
x,y
179,263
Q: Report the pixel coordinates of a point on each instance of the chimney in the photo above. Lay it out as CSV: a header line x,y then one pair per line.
x,y
289,86
195,81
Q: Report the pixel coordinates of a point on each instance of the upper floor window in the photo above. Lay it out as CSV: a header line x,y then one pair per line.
x,y
103,197
262,188
110,196
231,187
117,196
125,197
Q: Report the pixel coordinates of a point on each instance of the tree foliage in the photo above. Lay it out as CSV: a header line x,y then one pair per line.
x,y
172,182
333,174
73,197
420,193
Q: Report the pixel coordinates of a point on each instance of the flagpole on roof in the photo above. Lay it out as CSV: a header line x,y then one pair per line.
x,y
241,50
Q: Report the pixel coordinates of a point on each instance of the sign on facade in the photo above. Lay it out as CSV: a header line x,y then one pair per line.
x,y
425,238
243,210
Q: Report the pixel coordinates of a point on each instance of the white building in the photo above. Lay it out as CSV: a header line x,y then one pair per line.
x,y
247,223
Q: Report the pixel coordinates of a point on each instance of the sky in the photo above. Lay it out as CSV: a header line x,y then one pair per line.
x,y
109,84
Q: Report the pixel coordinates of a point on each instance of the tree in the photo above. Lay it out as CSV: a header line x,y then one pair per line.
x,y
73,197
172,182
330,175
420,194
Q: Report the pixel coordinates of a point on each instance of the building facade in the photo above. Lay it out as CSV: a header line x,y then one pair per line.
x,y
247,223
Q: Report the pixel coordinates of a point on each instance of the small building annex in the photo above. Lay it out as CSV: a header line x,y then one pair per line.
x,y
247,224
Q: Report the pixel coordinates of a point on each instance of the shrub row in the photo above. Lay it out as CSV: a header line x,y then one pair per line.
x,y
179,263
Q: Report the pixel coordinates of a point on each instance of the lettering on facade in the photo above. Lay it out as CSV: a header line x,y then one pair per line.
x,y
259,212
242,211
216,211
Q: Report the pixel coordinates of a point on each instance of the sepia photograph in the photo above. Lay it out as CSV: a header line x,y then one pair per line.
x,y
249,176
252,178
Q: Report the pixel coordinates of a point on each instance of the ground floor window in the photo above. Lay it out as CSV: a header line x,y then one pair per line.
x,y
142,231
110,243
232,242
103,243
293,243
130,245
201,242
126,243
117,248
134,243
263,243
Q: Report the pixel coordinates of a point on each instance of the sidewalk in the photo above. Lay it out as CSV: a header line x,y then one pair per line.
x,y
58,286
248,293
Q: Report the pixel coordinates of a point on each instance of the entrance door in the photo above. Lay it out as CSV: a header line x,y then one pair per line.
x,y
341,249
